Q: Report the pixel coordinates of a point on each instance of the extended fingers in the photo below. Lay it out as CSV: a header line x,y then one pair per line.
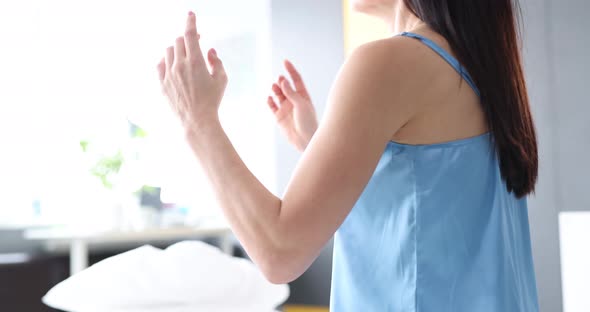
x,y
191,38
295,76
288,90
276,89
179,49
217,68
162,70
272,105
169,59
187,51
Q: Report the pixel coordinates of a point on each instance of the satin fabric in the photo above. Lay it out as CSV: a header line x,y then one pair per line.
x,y
435,230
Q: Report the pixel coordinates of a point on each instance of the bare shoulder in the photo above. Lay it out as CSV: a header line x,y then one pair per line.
x,y
399,53
379,85
390,72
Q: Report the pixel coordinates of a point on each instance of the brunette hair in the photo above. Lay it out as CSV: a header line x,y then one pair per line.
x,y
484,34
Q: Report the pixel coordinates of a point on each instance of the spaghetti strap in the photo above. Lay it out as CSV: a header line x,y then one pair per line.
x,y
447,57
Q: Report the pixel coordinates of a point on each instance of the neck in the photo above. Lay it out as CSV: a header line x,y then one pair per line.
x,y
402,19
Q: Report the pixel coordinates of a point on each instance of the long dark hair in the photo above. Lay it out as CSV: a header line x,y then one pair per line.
x,y
484,35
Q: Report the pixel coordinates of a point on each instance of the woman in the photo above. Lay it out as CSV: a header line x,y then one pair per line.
x,y
420,167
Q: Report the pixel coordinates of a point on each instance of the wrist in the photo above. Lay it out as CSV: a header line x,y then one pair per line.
x,y
204,127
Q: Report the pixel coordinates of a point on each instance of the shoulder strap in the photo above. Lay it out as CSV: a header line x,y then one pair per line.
x,y
447,57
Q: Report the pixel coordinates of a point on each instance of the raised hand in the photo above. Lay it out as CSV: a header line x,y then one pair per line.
x,y
293,109
193,91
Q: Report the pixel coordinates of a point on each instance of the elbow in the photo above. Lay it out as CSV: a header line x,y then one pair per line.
x,y
279,277
281,267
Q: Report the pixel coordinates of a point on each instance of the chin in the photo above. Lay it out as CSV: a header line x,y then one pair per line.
x,y
362,6
371,7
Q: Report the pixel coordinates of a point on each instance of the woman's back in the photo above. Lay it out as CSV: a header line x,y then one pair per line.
x,y
436,228
451,108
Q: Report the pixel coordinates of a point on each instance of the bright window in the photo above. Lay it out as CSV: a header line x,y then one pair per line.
x,y
75,70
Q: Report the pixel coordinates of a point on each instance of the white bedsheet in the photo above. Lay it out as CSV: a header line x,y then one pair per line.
x,y
186,277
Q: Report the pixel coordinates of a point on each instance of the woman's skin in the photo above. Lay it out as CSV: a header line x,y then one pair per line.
x,y
389,89
294,112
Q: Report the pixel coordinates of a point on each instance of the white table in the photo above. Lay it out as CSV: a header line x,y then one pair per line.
x,y
79,241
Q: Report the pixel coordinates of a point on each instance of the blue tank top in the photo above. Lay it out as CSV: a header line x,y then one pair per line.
x,y
435,230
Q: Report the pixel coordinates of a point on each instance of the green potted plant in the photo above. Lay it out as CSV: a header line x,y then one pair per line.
x,y
109,168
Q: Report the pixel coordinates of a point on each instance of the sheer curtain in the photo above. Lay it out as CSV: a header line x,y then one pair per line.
x,y
73,70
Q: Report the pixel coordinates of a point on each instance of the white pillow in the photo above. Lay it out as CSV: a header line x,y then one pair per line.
x,y
186,277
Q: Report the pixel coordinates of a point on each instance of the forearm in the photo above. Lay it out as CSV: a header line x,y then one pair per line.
x,y
284,236
252,210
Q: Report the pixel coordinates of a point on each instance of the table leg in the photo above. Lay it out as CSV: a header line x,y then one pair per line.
x,y
78,256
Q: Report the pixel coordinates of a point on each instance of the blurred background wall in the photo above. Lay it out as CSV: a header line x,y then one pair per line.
x,y
557,47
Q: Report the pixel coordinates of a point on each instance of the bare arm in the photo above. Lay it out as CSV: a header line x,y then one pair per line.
x,y
284,236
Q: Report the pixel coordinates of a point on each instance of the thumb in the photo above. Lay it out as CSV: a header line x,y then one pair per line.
x,y
217,68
